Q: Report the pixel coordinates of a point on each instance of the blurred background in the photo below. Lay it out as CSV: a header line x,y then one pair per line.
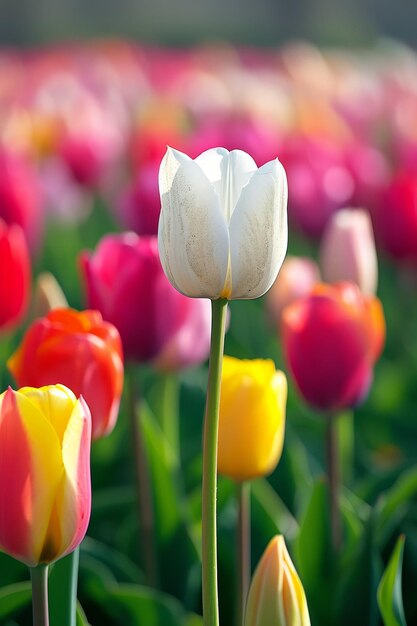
x,y
265,22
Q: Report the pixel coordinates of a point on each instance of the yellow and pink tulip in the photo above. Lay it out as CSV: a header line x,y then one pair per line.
x,y
45,489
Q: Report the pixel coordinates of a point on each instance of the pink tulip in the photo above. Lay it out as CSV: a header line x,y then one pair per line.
x,y
296,279
20,197
126,283
347,251
140,204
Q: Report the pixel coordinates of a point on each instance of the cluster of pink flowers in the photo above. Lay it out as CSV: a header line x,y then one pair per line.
x,y
97,118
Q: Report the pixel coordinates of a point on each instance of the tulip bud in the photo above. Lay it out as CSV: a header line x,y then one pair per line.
x,y
79,350
45,491
296,279
276,595
126,283
223,225
14,275
348,252
331,340
252,418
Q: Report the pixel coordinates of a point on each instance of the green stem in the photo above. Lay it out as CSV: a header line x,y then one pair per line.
x,y
333,473
143,485
170,415
39,577
211,429
243,549
63,590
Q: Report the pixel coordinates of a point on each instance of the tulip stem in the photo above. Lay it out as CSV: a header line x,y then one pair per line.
x,y
143,487
63,587
333,471
243,548
170,415
211,430
39,577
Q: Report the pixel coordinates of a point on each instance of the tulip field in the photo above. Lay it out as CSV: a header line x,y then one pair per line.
x,y
208,337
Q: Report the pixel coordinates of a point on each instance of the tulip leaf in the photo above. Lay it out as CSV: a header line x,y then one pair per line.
x,y
133,605
13,599
269,516
81,616
389,590
172,526
395,503
359,577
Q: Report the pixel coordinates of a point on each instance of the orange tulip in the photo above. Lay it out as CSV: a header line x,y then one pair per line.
x,y
79,350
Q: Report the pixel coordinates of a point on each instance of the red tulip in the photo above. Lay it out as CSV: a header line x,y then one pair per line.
x,y
331,340
14,275
395,217
78,350
125,281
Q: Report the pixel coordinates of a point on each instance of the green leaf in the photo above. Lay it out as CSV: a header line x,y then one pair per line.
x,y
172,520
13,599
133,605
389,591
81,616
395,503
314,555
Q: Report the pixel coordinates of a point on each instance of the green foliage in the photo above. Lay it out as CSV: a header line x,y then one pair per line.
x,y
390,599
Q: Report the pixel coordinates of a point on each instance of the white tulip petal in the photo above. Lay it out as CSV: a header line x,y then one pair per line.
x,y
259,232
193,238
228,172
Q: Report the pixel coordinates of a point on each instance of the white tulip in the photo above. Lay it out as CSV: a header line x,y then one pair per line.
x,y
223,226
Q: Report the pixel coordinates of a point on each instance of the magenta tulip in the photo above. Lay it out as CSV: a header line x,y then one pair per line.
x,y
126,283
332,339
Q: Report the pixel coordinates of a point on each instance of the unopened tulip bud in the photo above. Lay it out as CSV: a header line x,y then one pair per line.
x,y
348,250
276,596
253,399
223,225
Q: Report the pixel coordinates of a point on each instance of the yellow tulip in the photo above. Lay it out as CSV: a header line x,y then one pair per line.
x,y
276,595
252,418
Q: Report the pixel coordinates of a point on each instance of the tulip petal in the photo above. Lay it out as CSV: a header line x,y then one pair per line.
x,y
228,172
259,232
193,237
73,502
29,485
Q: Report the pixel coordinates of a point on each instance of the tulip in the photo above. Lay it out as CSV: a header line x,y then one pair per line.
x,y
139,205
347,250
79,350
331,340
252,418
20,196
14,275
45,493
395,217
223,225
276,595
296,279
126,283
